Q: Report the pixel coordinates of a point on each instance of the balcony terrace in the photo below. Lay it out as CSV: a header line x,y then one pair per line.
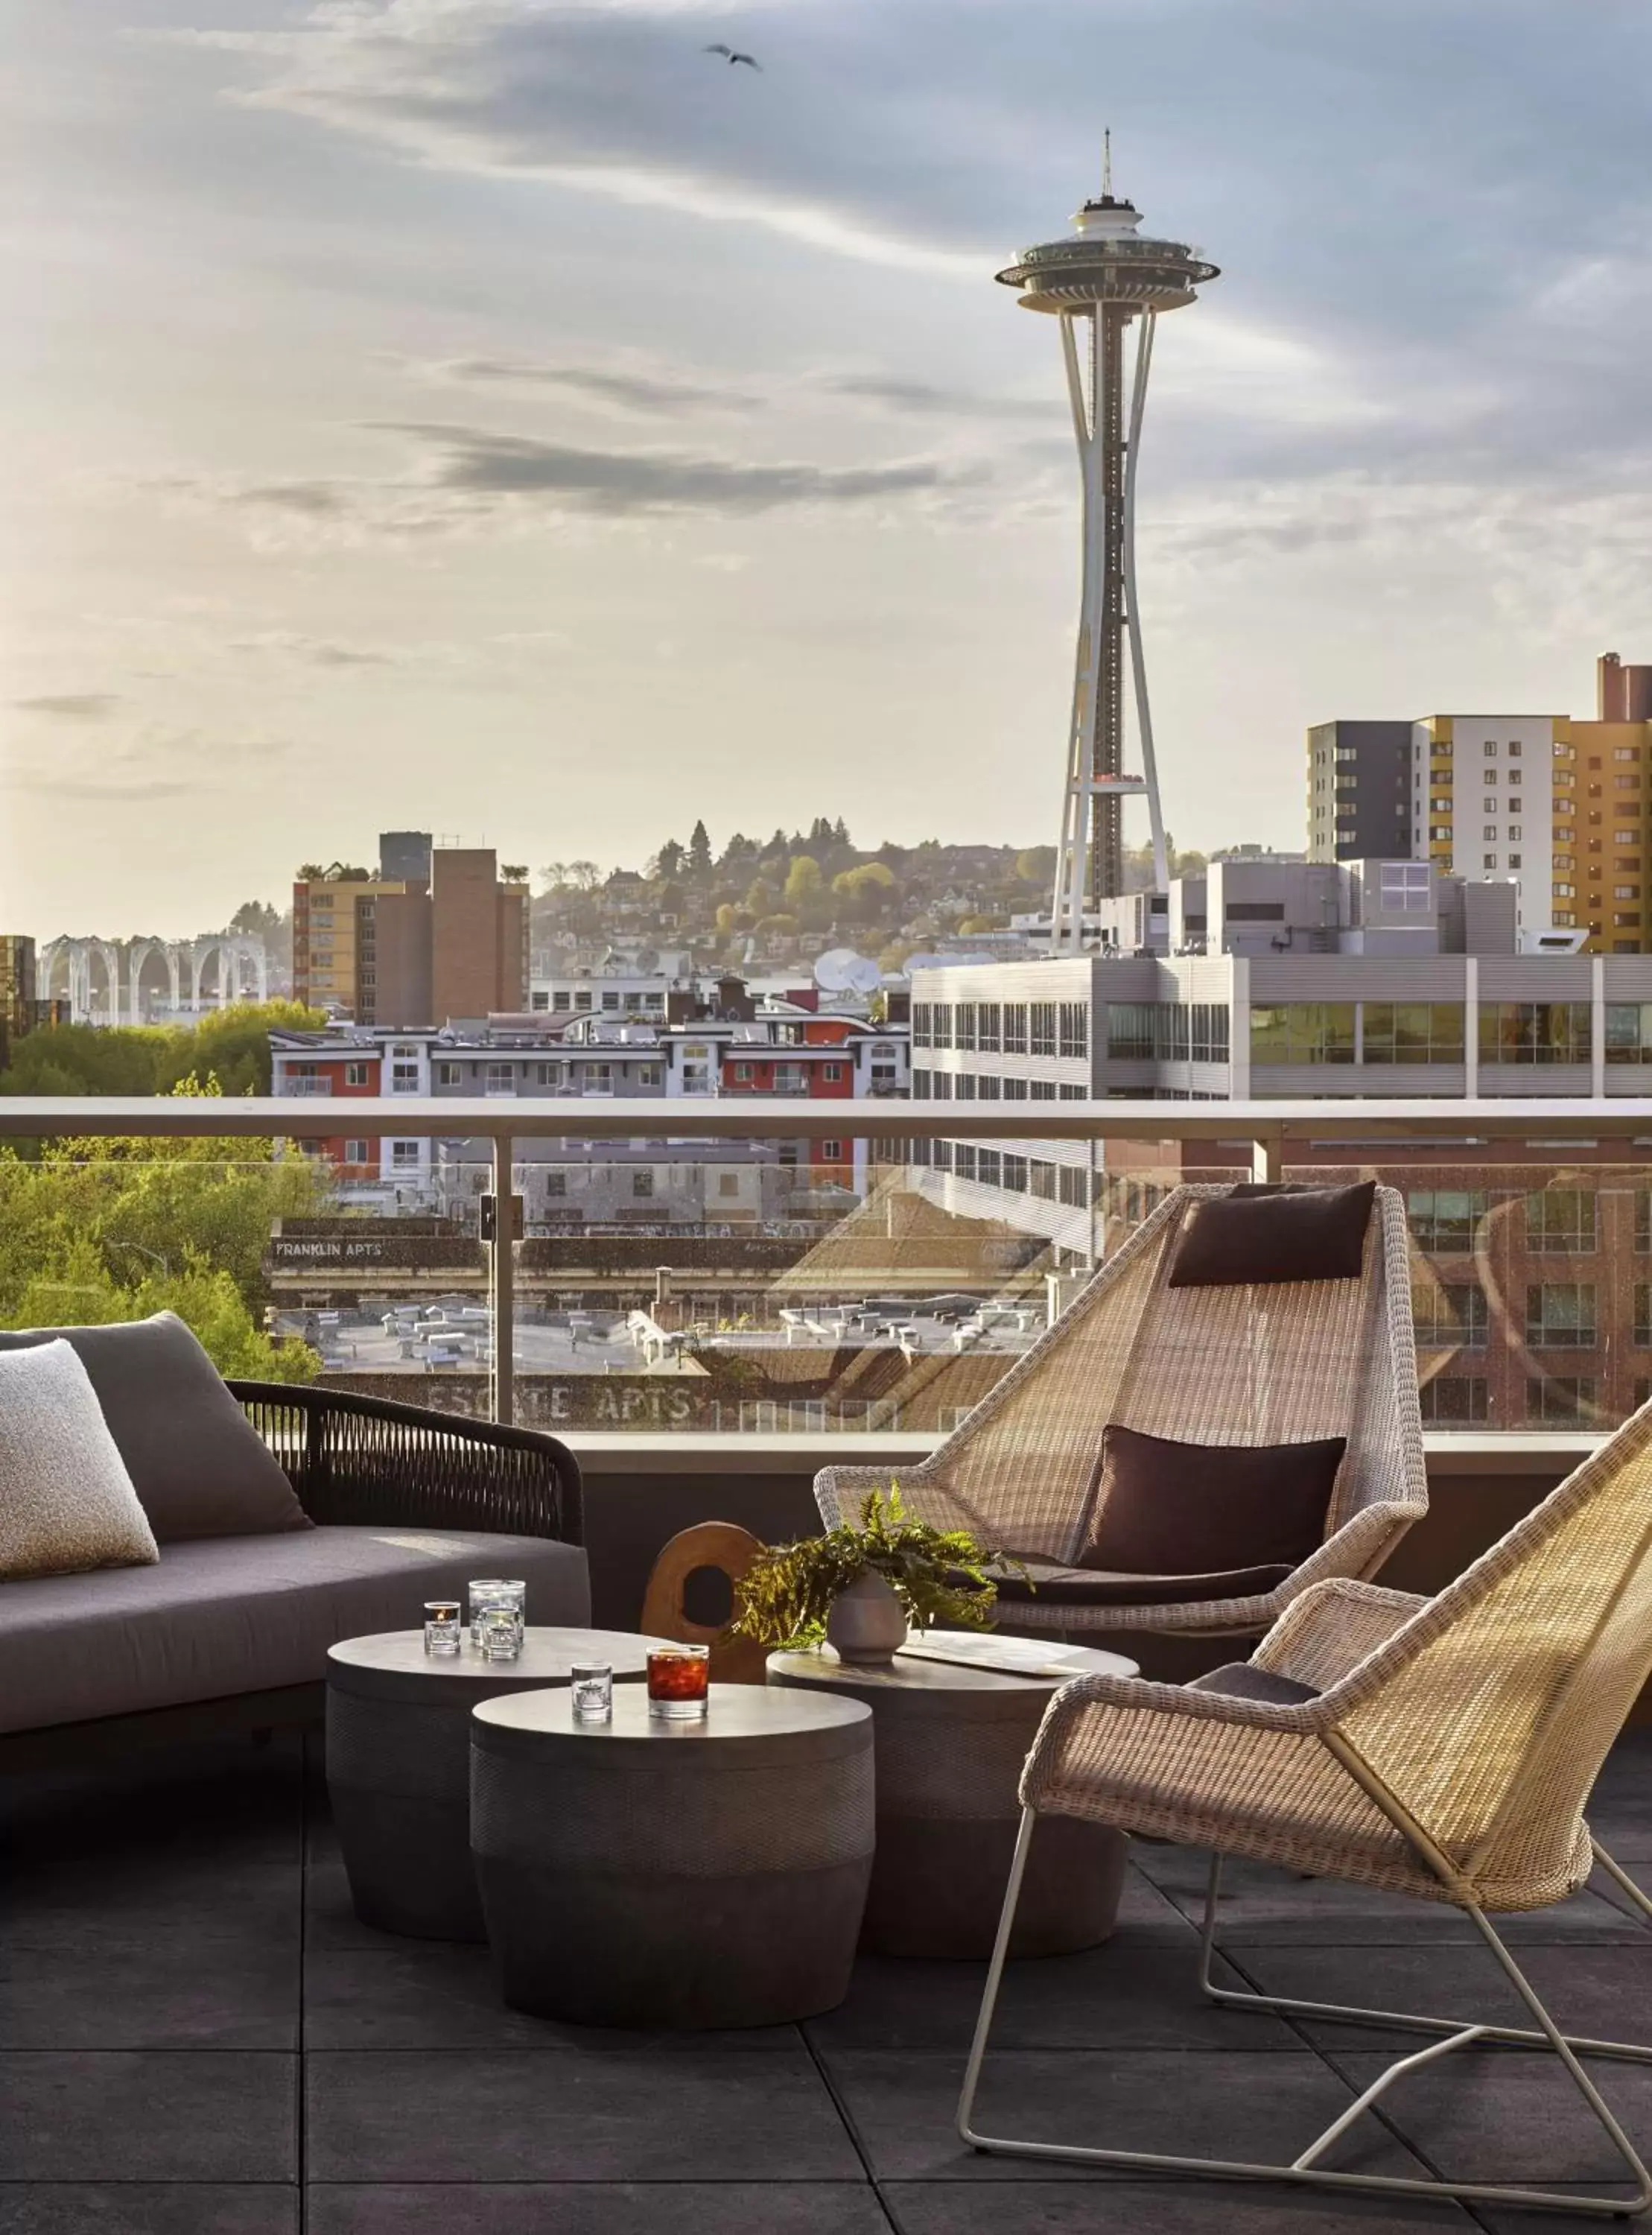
x,y
197,2034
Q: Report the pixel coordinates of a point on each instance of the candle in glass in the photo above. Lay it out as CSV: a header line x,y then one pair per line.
x,y
678,1682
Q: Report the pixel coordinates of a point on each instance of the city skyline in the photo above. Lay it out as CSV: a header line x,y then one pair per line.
x,y
526,429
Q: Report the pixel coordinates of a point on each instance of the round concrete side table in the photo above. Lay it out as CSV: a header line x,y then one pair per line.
x,y
398,1764
650,1873
951,1740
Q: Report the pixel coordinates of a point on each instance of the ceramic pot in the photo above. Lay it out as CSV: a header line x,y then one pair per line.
x,y
867,1621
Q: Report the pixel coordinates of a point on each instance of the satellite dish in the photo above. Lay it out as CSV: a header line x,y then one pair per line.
x,y
833,971
864,976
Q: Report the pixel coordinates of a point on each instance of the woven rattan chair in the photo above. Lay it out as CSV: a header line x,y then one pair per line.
x,y
1254,1365
1444,1748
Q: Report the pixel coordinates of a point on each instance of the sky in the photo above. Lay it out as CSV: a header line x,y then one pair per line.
x,y
506,418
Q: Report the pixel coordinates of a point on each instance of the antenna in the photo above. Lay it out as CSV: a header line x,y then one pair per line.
x,y
1107,162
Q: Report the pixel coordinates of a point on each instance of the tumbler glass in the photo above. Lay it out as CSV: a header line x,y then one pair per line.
x,y
499,1635
495,1591
678,1682
441,1628
592,1684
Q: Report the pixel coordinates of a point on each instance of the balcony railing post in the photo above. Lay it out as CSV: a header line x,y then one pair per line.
x,y
501,1281
1268,1159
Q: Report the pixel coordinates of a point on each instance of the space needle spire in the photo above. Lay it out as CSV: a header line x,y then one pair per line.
x,y
1097,284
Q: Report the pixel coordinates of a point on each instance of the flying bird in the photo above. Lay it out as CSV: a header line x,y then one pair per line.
x,y
729,54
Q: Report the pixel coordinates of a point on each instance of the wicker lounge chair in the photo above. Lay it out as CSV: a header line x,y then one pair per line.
x,y
1444,1749
1250,1365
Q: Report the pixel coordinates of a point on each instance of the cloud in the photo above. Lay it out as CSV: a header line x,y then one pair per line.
x,y
72,705
612,386
468,475
924,399
316,652
472,462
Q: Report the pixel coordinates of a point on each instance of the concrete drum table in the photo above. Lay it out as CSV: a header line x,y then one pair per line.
x,y
651,1873
398,1763
952,1739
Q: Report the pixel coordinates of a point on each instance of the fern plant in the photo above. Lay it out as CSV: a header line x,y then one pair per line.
x,y
938,1575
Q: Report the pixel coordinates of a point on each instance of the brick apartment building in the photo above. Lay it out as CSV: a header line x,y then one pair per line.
x,y
446,938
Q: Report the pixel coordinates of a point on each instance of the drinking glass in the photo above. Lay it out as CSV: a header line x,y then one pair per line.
x,y
678,1682
489,1591
441,1628
592,1684
499,1634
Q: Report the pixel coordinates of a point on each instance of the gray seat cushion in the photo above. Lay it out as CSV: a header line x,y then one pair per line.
x,y
227,1615
198,1466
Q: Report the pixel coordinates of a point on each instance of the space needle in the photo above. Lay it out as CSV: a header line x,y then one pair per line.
x,y
1097,283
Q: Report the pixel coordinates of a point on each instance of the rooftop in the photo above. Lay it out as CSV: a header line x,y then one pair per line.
x,y
197,2034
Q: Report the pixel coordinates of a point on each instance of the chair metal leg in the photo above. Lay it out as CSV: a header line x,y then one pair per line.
x,y
1304,2170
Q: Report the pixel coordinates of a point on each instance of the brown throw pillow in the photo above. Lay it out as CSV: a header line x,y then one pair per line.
x,y
1052,1586
1165,1508
197,1465
1264,1234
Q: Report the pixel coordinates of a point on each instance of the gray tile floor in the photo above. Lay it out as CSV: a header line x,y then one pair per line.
x,y
197,2038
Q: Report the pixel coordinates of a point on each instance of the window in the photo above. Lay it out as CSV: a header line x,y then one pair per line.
x,y
921,1015
556,1183
988,1026
1074,1029
1643,1316
500,1079
643,1185
1560,1315
1041,1181
1623,752
610,1001
964,1025
1405,885
941,1086
404,1078
1042,1018
1015,1027
921,1085
986,1164
1453,1400
1074,1186
989,1088
1453,1318
1627,782
832,1073
404,1156
1043,1090
1563,892
1626,837
1167,1032
358,1152
1488,806
942,1026
965,1085
357,1074
1014,1090
1488,861
1514,859
449,1074
1561,1401
728,1185
743,1072
1413,1031
1254,911
1534,1032
1014,1171
1073,1093
1514,751
1446,1220
1488,748
1303,1031
1489,831
1626,892
1628,1032
1560,1219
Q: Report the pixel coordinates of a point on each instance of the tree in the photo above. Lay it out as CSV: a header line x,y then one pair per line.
x,y
554,876
1036,865
803,879
95,1230
668,863
761,895
232,1044
584,876
311,871
699,851
257,917
514,873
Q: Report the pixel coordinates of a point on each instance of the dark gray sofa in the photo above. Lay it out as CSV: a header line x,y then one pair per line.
x,y
231,1631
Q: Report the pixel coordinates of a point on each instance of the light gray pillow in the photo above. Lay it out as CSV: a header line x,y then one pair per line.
x,y
66,1500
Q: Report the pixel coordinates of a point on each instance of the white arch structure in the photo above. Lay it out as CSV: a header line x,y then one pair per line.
x,y
239,958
